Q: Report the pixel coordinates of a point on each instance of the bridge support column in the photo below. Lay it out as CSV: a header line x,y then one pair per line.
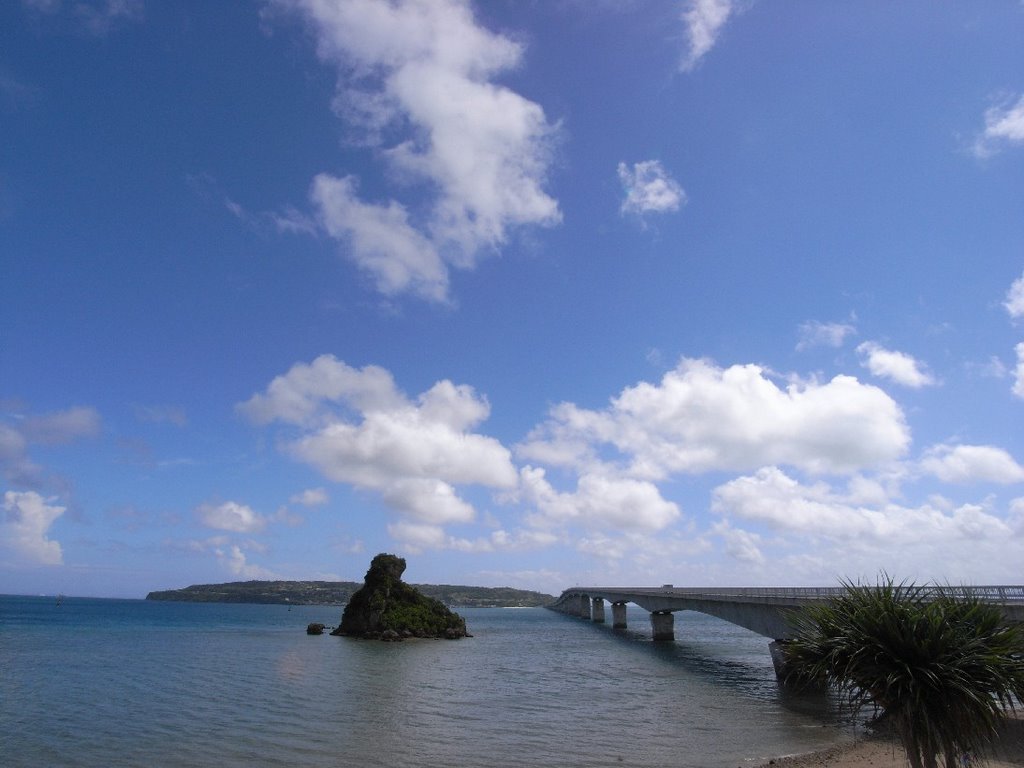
x,y
597,612
584,607
787,681
776,649
662,626
618,615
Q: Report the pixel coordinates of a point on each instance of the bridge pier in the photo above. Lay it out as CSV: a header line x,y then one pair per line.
x,y
777,649
597,611
783,672
584,607
662,626
618,615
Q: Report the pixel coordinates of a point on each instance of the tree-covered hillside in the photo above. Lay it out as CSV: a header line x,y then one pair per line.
x,y
339,592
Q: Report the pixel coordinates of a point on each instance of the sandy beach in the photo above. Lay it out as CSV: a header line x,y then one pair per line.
x,y
880,751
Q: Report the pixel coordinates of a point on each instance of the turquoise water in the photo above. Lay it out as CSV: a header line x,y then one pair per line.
x,y
98,683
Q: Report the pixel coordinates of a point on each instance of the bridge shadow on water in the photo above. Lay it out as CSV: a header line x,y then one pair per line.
x,y
713,652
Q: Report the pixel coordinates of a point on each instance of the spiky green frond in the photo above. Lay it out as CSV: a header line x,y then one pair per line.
x,y
943,666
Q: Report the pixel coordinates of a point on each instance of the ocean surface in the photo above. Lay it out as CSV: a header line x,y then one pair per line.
x,y
102,683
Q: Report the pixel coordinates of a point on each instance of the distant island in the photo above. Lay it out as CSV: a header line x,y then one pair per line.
x,y
339,593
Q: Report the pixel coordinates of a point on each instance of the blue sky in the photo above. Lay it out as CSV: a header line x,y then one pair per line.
x,y
532,294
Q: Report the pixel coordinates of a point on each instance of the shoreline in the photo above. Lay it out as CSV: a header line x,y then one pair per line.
x,y
881,750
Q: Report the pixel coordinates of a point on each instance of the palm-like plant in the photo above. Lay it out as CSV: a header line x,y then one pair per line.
x,y
942,666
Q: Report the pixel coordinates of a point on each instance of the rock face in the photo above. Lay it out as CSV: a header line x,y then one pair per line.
x,y
386,608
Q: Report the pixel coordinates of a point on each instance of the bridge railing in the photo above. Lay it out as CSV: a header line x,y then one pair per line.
x,y
995,594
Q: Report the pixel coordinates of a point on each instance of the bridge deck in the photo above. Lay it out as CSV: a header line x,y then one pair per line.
x,y
996,594
764,610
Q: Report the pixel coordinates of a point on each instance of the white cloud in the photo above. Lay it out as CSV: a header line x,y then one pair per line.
x,y
26,521
522,539
704,418
704,20
787,506
1015,298
357,428
1018,371
649,189
383,242
430,500
1004,126
1017,515
739,544
895,366
389,446
15,465
235,560
640,551
600,501
818,334
427,68
230,516
48,429
311,497
854,540
972,463
302,395
418,537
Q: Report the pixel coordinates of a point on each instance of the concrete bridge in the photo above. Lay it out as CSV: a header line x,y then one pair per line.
x,y
764,610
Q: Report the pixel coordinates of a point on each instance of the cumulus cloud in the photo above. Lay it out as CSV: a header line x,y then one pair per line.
x,y
26,522
854,538
702,418
386,447
230,516
704,20
356,427
773,498
305,395
236,561
898,367
418,537
1018,371
430,500
383,242
818,334
599,501
1015,298
1004,126
426,69
649,189
972,463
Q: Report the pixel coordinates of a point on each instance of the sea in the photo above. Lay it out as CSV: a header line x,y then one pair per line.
x,y
99,683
